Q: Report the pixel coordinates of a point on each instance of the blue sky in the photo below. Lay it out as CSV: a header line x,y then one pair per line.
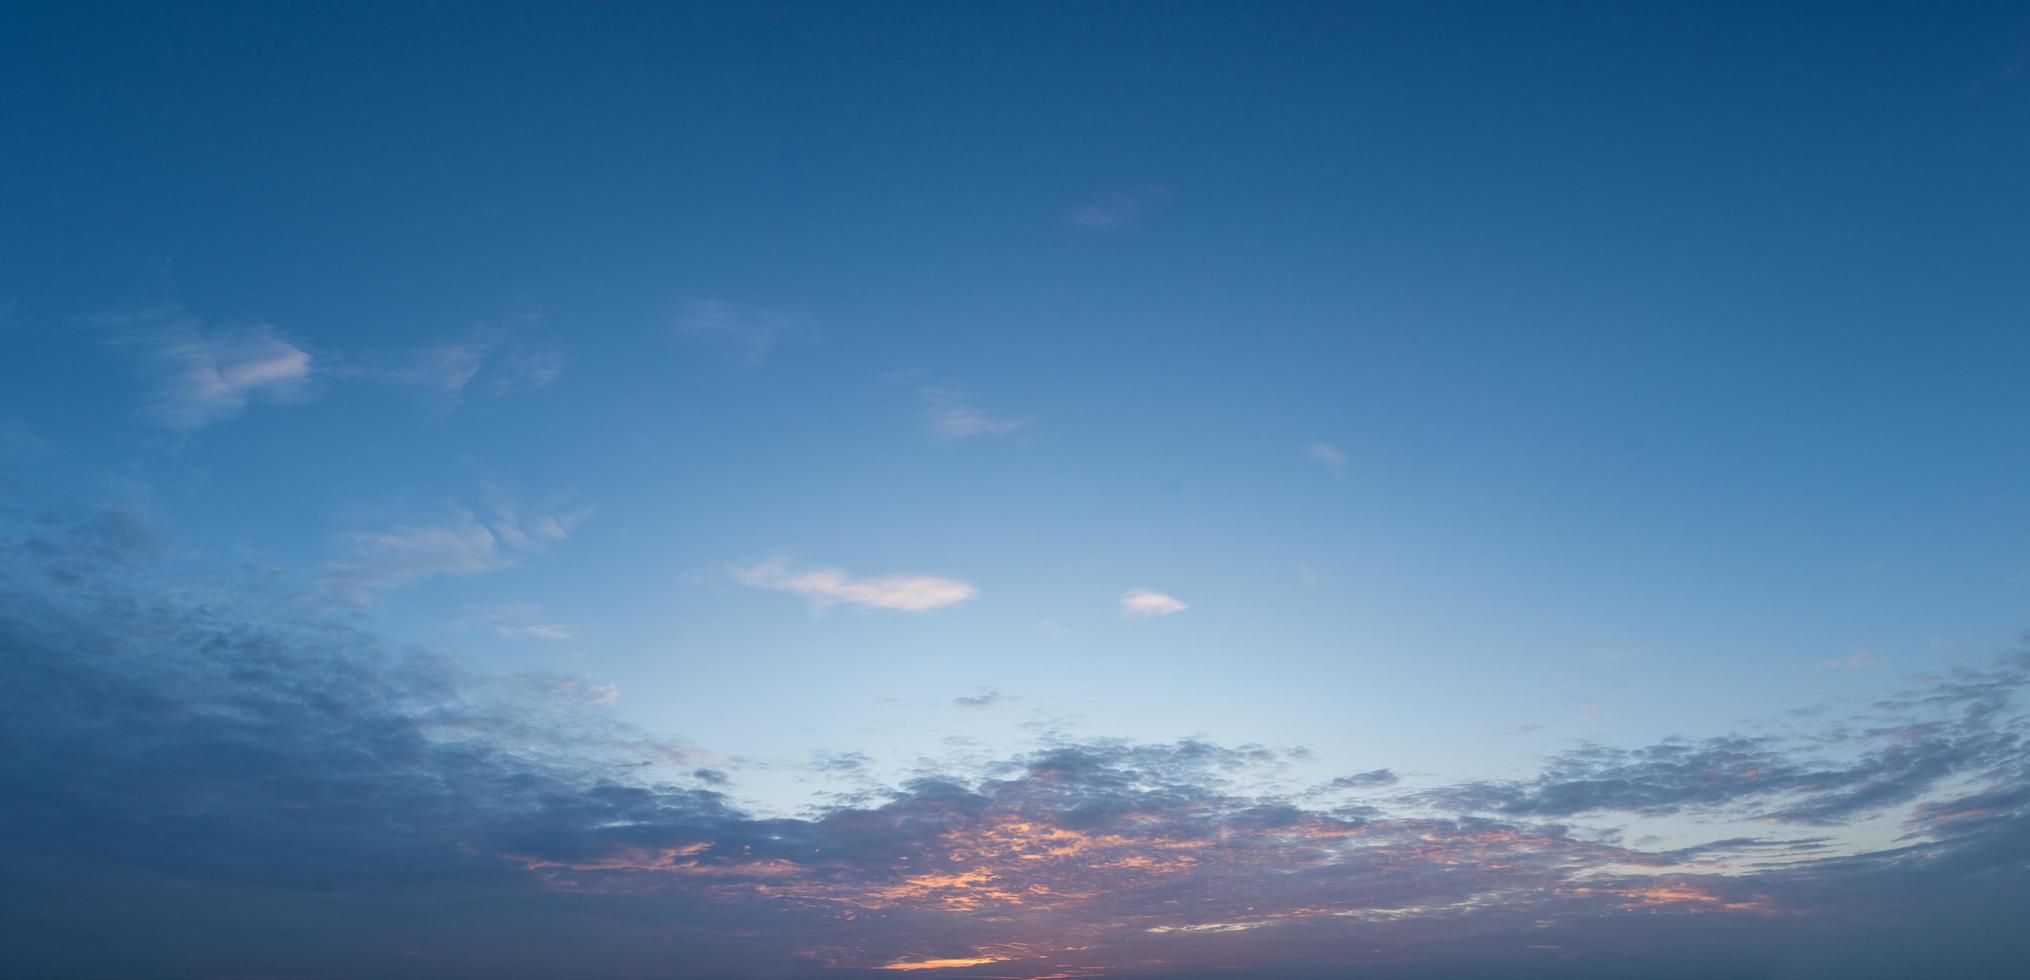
x,y
836,394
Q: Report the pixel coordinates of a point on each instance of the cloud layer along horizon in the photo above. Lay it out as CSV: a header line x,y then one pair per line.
x,y
216,782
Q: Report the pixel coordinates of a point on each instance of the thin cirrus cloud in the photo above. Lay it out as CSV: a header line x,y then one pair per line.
x,y
449,369
518,621
950,414
521,621
1858,660
557,632
1115,210
445,368
1328,456
201,376
748,334
832,586
1143,603
458,545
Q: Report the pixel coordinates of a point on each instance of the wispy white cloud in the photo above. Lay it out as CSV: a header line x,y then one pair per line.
x,y
528,531
987,700
950,414
1858,660
445,368
462,544
1142,602
203,376
383,559
488,356
1330,457
536,631
199,375
747,333
1118,209
520,621
593,692
830,586
527,370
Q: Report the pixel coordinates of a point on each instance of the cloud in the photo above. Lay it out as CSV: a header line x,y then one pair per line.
x,y
1901,750
986,700
830,586
1142,602
527,370
518,621
1363,780
1327,456
460,544
446,368
1858,660
1115,210
73,552
324,789
536,631
748,334
949,414
384,559
489,356
200,376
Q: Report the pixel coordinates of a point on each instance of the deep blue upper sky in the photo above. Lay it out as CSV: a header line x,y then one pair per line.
x,y
845,393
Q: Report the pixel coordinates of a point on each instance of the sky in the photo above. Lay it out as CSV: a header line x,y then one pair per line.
x,y
1014,490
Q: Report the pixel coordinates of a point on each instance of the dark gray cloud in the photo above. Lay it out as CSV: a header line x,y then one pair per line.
x,y
1363,780
199,787
1963,725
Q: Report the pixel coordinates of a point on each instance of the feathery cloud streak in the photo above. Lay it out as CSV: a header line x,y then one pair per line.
x,y
461,544
950,414
831,586
199,376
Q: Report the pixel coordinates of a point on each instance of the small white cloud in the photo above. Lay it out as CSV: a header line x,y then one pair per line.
x,y
748,333
201,378
1118,209
1142,602
950,414
1329,457
830,586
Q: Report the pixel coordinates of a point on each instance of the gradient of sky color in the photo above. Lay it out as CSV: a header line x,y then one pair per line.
x,y
1564,435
